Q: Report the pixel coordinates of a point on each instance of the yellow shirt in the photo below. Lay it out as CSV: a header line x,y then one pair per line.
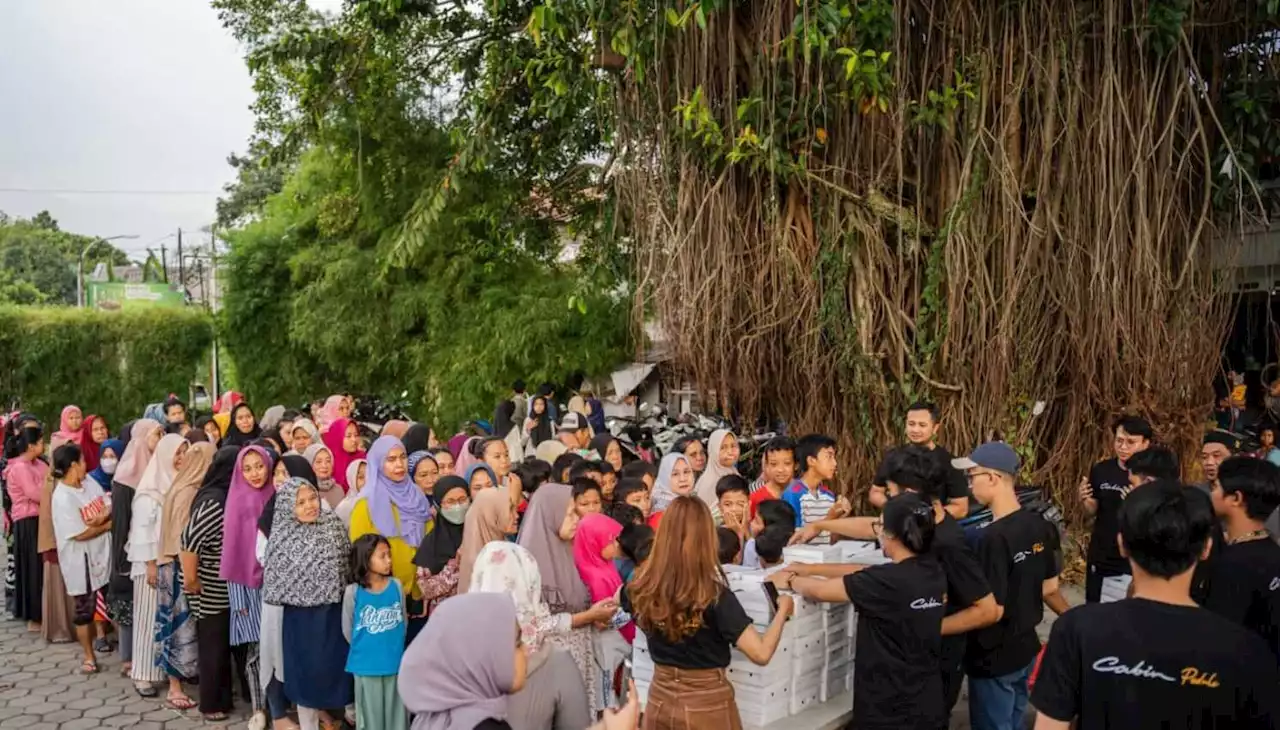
x,y
402,553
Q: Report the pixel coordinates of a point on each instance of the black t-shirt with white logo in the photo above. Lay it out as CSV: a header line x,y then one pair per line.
x,y
954,483
896,685
965,580
1244,586
1110,481
1018,554
1142,664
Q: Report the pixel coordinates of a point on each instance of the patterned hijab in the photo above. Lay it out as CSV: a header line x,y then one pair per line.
x,y
487,521
397,508
240,524
136,454
662,495
454,677
562,587
504,567
306,562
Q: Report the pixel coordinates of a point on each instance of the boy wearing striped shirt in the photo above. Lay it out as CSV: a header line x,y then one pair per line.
x,y
809,497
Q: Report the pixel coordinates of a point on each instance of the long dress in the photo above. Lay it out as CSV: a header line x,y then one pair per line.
x,y
175,625
315,656
203,536
57,607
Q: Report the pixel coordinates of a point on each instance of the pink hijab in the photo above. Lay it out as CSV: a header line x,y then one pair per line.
x,y
65,434
602,578
330,412
333,437
136,456
464,459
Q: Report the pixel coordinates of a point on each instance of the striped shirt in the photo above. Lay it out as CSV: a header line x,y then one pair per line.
x,y
810,506
203,536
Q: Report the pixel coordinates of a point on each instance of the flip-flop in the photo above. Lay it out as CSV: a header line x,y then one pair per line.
x,y
216,717
88,667
181,703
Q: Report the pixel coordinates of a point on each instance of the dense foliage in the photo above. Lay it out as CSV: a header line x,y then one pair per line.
x,y
38,260
111,363
322,293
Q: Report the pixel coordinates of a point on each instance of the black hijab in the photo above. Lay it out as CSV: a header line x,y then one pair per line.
x,y
236,437
296,466
503,417
441,544
416,438
600,444
542,423
126,433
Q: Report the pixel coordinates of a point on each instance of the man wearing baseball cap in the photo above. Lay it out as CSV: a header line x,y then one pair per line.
x,y
1018,555
574,432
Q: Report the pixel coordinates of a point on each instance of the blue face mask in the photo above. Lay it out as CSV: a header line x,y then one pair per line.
x,y
455,513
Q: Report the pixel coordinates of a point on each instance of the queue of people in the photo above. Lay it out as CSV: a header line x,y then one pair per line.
x,y
278,559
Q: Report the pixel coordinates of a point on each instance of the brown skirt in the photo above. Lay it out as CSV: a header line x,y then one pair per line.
x,y
59,608
690,699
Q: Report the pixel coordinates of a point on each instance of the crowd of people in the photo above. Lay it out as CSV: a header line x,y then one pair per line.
x,y
498,581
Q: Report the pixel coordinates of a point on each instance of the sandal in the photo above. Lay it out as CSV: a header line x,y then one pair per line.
x,y
88,667
146,691
181,702
216,717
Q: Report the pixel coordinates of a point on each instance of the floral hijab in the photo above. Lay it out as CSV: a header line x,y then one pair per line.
x,y
504,567
306,562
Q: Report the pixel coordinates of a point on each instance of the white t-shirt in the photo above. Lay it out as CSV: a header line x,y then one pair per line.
x,y
72,553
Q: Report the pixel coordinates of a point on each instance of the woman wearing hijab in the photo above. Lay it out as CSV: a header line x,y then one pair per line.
x,y
357,474
243,427
417,438
437,555
271,417
548,535
490,519
468,456
321,460
331,411
175,623
595,545
538,425
303,435
306,572
93,434
506,428
669,484
143,551
480,477
608,450
455,678
144,435
392,506
424,471
201,558
25,476
343,439
251,489
554,695
396,428
228,400
69,426
722,460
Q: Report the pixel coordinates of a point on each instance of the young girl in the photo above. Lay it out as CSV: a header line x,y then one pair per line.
x,y
595,545
374,622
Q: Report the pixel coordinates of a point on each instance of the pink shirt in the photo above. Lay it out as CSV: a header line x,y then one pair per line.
x,y
25,480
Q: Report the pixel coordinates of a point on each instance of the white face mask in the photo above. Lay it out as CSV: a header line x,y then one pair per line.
x,y
108,465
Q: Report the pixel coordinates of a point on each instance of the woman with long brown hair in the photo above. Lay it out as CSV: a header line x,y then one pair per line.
x,y
681,601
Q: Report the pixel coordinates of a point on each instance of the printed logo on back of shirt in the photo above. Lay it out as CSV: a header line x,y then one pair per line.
x,y
1275,584
1109,487
1037,548
1188,677
924,604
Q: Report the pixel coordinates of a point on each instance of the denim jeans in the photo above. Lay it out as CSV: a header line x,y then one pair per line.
x,y
277,703
999,703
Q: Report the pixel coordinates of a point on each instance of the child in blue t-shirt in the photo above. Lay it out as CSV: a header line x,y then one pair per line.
x,y
374,622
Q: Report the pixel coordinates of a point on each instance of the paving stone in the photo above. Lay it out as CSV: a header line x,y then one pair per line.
x,y
84,723
62,716
149,725
84,703
162,715
42,709
26,700
103,711
21,721
122,721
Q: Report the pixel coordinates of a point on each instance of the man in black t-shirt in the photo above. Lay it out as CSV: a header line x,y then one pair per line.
x,y
1102,493
1018,554
922,430
1244,581
1156,660
970,604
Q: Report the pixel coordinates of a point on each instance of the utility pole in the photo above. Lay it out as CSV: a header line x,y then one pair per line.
x,y
164,264
182,278
211,297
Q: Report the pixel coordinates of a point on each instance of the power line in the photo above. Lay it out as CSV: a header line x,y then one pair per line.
x,y
77,191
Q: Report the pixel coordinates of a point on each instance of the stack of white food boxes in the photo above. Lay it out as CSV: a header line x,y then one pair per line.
x,y
823,668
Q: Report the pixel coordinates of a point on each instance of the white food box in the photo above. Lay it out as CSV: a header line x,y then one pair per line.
x,y
1115,588
835,681
773,708
805,689
812,554
744,673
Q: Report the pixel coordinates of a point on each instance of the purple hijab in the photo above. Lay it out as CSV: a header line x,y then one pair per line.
x,y
381,493
240,523
453,677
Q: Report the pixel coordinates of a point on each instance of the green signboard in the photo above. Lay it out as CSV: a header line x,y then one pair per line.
x,y
115,295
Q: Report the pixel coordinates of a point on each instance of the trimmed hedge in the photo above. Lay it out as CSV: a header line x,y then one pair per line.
x,y
109,363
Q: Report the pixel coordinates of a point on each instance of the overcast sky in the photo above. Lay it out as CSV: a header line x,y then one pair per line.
x,y
138,100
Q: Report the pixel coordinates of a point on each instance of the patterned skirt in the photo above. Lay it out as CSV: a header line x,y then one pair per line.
x,y
175,625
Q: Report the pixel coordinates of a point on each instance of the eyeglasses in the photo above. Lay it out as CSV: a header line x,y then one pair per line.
x,y
973,474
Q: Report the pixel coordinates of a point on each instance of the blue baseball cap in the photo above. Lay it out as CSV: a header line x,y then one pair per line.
x,y
995,455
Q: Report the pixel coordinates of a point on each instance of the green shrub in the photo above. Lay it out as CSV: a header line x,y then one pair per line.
x,y
109,363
